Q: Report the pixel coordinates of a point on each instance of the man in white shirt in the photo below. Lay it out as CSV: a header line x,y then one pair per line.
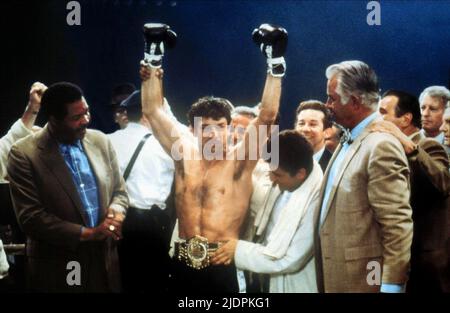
x,y
120,93
22,127
148,226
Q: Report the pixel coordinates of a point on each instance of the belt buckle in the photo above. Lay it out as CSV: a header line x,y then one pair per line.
x,y
197,252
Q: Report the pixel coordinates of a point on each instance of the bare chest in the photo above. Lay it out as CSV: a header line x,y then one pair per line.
x,y
205,186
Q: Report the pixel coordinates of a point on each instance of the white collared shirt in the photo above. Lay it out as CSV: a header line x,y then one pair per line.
x,y
151,177
439,138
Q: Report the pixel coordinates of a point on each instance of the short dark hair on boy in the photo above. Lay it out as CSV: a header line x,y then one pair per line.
x,y
295,152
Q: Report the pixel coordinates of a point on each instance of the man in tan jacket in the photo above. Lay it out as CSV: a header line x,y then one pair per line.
x,y
363,226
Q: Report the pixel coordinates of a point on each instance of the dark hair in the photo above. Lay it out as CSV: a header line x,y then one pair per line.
x,y
407,103
134,114
340,129
295,152
210,107
132,104
56,98
317,106
123,89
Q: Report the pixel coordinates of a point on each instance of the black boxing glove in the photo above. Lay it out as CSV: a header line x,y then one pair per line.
x,y
158,37
273,42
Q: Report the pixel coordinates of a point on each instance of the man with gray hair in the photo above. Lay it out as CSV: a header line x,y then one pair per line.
x,y
433,101
241,117
363,229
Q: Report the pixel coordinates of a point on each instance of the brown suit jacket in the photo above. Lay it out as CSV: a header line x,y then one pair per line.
x,y
368,217
48,209
430,188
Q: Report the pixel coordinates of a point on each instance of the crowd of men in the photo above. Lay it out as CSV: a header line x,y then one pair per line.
x,y
353,198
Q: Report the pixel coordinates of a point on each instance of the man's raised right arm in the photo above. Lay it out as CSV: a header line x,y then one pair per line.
x,y
158,38
163,126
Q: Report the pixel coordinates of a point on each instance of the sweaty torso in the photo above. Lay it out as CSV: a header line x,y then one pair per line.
x,y
211,199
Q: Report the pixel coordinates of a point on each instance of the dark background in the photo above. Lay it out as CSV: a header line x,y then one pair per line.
x,y
214,53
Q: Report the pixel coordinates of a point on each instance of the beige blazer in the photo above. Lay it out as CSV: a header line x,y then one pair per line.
x,y
48,208
367,217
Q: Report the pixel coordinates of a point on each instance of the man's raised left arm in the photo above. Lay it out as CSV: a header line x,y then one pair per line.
x,y
272,41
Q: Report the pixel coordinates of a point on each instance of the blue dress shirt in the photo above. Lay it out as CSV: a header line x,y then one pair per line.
x,y
84,179
336,166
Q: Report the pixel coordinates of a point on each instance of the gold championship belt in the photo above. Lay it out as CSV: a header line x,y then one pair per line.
x,y
195,252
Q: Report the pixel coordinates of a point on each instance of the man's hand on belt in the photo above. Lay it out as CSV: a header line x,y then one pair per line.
x,y
225,254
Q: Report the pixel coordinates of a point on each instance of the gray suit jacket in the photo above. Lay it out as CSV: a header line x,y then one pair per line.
x,y
48,209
